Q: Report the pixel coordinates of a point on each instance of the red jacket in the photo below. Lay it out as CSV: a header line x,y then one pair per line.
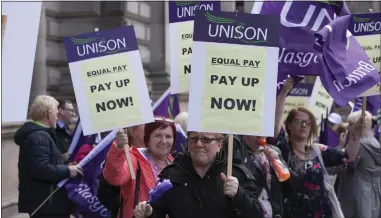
x,y
116,173
83,152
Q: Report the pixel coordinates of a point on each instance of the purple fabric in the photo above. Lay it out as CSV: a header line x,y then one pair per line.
x,y
90,139
168,106
373,103
347,71
327,135
181,140
300,20
83,190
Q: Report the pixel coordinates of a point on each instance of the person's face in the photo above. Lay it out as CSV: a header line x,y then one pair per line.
x,y
53,117
301,125
203,147
67,113
161,141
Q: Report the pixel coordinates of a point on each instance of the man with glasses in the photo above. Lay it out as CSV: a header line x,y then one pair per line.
x,y
66,115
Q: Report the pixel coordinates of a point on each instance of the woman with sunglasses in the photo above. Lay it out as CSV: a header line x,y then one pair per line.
x,y
306,195
159,138
201,188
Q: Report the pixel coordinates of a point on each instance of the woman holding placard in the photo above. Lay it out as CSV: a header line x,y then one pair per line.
x,y
201,188
312,196
147,163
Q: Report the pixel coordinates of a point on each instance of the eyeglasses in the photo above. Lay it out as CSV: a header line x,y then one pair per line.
x,y
204,140
302,122
68,109
163,119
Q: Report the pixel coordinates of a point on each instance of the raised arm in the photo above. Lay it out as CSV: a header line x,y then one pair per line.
x,y
116,170
355,135
280,101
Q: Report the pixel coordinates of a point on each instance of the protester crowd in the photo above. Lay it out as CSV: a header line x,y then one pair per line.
x,y
201,187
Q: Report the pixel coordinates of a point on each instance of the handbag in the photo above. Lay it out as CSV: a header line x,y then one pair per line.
x,y
335,203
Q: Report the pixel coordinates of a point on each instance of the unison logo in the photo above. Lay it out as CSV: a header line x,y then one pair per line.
x,y
96,45
234,29
188,9
366,24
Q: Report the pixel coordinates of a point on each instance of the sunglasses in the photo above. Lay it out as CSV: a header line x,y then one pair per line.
x,y
204,140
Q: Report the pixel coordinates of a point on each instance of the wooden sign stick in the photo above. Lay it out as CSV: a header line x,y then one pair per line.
x,y
230,155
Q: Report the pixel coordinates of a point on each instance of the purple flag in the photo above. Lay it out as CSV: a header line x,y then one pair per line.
x,y
167,105
78,139
373,104
347,71
300,20
82,191
181,140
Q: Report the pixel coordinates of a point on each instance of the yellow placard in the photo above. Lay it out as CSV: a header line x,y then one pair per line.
x,y
294,102
234,88
372,47
185,40
321,101
110,91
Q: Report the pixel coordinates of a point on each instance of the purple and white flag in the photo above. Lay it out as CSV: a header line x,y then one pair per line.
x,y
299,21
83,190
78,139
347,71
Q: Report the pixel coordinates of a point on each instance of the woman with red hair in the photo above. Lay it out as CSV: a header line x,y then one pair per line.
x,y
159,138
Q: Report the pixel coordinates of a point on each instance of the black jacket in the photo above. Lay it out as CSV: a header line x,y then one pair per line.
x,y
241,151
64,139
195,197
40,169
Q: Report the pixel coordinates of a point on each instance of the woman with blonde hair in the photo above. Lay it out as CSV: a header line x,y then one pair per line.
x,y
307,161
359,190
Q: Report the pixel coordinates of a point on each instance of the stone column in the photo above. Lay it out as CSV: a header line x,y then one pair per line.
x,y
40,76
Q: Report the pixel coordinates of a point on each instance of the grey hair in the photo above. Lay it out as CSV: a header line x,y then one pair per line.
x,y
41,107
182,119
355,116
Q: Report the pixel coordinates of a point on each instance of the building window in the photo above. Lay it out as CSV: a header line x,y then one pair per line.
x,y
133,7
145,54
145,10
140,28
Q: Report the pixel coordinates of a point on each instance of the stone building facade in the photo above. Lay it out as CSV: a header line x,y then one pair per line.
x,y
51,73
